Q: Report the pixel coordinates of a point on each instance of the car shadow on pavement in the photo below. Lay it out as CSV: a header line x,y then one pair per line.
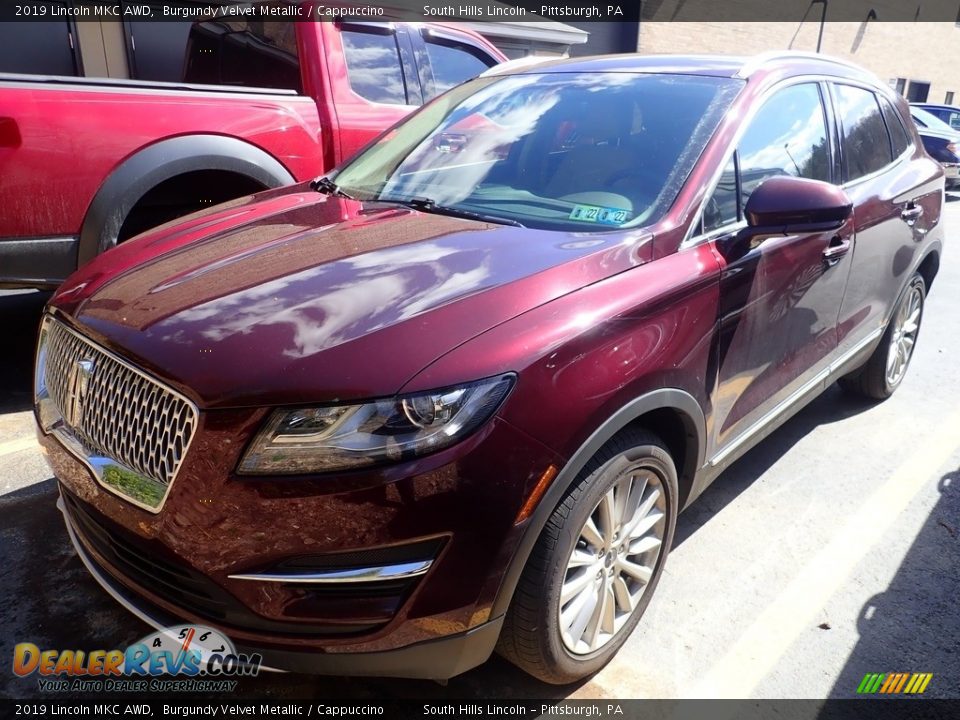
x,y
914,626
831,406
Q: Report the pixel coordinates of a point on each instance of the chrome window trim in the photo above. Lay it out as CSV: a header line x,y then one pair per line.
x,y
692,240
895,161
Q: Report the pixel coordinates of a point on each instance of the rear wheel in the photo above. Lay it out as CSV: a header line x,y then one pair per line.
x,y
882,374
596,564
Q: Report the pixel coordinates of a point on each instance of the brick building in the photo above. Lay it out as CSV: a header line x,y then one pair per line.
x,y
918,53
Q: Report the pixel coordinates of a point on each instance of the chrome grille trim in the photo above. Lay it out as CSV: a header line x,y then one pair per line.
x,y
116,418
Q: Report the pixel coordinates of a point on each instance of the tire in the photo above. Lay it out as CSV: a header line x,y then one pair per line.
x,y
872,379
535,637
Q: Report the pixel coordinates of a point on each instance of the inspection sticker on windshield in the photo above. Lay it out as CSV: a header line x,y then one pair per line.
x,y
597,214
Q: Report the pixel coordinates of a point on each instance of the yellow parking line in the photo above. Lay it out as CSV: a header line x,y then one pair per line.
x,y
14,446
754,654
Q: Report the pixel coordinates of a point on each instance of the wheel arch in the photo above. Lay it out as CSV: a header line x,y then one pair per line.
x,y
929,266
671,413
166,159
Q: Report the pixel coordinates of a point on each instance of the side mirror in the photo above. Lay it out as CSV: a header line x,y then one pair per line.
x,y
786,205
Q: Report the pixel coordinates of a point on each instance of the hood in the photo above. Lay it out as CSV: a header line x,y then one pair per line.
x,y
292,297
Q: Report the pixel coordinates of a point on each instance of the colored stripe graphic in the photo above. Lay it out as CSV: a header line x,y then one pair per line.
x,y
894,683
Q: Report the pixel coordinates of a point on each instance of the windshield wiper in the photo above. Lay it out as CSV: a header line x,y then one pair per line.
x,y
325,185
429,205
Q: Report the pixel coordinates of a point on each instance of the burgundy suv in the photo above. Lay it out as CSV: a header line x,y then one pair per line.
x,y
452,397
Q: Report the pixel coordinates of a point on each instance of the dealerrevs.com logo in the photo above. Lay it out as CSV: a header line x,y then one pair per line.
x,y
182,658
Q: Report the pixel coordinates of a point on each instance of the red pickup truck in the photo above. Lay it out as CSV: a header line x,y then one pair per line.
x,y
208,111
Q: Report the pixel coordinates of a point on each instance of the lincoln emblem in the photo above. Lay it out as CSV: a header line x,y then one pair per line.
x,y
80,373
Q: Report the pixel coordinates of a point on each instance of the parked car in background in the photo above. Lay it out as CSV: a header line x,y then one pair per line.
x,y
454,398
941,142
950,114
212,110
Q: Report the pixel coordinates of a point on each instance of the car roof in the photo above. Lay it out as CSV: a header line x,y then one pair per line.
x,y
710,65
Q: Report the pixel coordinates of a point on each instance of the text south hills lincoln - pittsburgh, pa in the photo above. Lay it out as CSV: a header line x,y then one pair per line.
x,y
500,10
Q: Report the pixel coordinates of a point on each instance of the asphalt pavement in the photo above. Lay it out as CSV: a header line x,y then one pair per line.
x,y
829,551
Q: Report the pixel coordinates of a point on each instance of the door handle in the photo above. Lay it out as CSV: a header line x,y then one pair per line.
x,y
911,213
837,248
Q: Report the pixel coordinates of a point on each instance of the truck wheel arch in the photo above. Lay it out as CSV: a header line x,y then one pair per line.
x,y
161,161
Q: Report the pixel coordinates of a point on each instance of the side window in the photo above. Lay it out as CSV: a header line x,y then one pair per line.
x,y
374,66
157,50
865,146
454,62
721,208
43,47
788,136
245,54
898,135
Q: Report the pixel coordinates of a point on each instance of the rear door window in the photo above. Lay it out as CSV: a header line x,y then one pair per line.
x,y
157,51
453,62
898,135
44,47
864,145
374,66
245,54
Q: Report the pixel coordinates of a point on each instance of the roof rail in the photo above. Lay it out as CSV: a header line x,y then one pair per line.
x,y
755,62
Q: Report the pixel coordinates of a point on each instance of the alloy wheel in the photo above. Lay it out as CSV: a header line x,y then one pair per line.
x,y
904,336
613,561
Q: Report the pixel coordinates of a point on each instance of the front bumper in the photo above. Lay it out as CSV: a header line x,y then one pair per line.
x,y
433,660
218,534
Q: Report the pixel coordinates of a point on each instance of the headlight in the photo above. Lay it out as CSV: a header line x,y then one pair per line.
x,y
344,437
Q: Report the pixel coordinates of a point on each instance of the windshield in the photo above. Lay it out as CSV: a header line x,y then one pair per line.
x,y
564,151
930,120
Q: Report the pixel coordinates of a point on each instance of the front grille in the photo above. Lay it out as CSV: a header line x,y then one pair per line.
x,y
148,565
123,414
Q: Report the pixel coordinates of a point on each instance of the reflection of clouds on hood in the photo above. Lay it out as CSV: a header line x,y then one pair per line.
x,y
357,296
455,285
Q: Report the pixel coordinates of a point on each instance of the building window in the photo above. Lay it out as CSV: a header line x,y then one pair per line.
x,y
898,84
918,92
948,98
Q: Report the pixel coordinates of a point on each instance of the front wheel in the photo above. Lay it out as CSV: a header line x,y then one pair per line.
x,y
596,563
882,374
